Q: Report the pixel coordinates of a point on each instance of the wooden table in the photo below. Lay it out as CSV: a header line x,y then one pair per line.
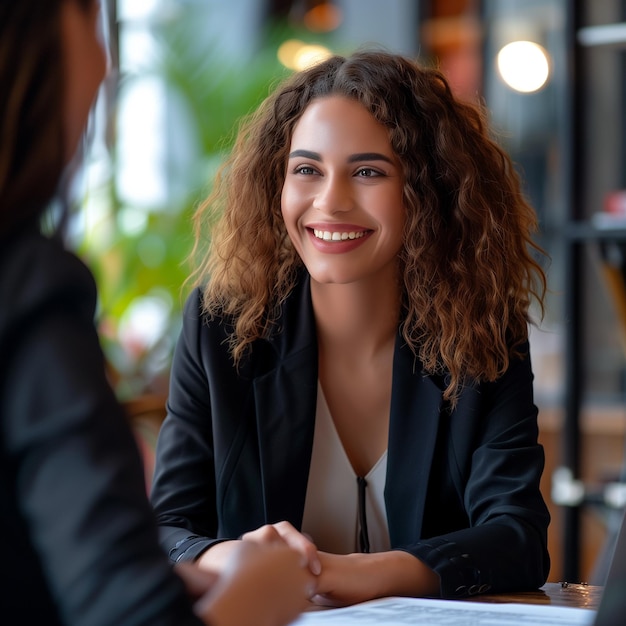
x,y
579,595
561,594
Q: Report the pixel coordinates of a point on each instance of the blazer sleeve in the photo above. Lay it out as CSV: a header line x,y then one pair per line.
x,y
496,540
183,493
78,480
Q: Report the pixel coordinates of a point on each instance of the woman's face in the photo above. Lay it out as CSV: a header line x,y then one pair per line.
x,y
85,64
342,199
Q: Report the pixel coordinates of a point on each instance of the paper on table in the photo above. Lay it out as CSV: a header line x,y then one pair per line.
x,y
431,612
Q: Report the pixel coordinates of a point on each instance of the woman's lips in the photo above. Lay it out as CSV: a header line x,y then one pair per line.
x,y
339,240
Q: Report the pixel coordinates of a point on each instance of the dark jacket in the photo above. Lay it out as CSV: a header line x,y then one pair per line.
x,y
79,539
462,488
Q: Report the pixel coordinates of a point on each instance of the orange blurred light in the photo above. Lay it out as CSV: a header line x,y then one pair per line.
x,y
323,18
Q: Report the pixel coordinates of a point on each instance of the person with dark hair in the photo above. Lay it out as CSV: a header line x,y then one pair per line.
x,y
353,374
80,538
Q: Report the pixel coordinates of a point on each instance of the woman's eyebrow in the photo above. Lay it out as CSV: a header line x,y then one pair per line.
x,y
307,154
369,156
353,158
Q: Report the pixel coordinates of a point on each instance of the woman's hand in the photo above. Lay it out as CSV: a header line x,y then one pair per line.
x,y
259,585
281,533
350,578
285,533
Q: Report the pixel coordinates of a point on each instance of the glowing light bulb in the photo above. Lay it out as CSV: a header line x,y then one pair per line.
x,y
524,66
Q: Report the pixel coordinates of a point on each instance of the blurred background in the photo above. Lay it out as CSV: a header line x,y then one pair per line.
x,y
552,76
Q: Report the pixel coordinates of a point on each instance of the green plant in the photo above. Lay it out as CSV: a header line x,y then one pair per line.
x,y
141,270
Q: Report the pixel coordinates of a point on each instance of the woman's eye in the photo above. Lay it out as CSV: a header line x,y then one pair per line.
x,y
368,172
304,169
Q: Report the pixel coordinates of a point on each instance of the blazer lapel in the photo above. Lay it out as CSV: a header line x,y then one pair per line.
x,y
285,408
285,399
416,402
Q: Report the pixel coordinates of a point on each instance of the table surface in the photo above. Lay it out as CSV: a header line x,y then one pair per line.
x,y
579,595
561,594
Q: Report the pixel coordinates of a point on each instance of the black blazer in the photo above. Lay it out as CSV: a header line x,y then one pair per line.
x,y
462,487
79,540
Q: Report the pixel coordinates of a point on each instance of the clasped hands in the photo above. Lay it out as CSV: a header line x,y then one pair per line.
x,y
339,579
336,575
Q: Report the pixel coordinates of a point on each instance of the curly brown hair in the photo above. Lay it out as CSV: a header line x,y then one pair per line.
x,y
468,269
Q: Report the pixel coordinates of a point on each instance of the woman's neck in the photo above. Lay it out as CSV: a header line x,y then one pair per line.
x,y
356,317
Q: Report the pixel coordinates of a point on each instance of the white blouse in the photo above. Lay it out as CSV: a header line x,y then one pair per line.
x,y
331,516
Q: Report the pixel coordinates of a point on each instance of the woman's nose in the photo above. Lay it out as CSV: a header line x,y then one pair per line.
x,y
334,196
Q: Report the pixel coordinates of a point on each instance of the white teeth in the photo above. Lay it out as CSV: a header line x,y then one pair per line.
x,y
337,236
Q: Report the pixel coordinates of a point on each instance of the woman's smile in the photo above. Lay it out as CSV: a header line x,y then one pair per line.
x,y
337,238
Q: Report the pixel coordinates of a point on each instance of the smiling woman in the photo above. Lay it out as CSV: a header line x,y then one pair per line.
x,y
353,376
